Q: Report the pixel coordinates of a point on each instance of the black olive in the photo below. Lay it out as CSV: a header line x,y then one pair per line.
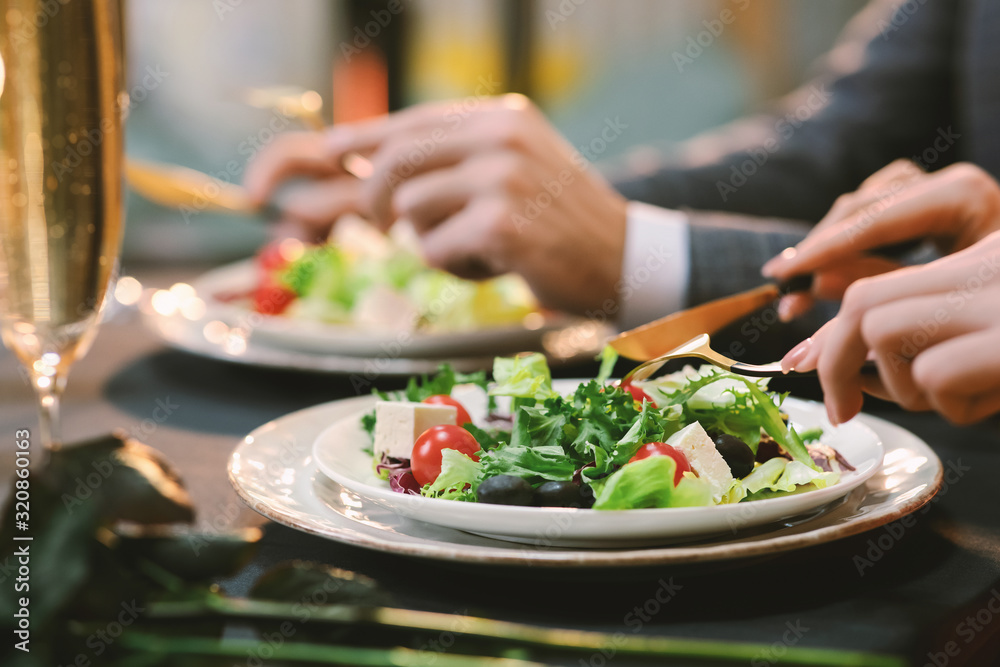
x,y
505,490
560,494
737,454
587,496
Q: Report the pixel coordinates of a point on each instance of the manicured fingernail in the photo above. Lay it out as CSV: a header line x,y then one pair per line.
x,y
769,268
796,355
786,313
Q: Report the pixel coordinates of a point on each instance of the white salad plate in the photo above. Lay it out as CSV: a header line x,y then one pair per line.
x,y
233,333
323,338
276,472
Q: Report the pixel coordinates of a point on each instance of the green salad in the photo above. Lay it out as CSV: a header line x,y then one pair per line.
x,y
693,438
371,281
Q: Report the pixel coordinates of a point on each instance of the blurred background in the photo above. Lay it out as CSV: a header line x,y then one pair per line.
x,y
666,69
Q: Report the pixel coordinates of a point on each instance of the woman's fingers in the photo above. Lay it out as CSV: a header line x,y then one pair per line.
x,y
832,283
961,376
960,202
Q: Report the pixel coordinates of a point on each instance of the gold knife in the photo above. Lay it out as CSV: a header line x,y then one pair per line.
x,y
179,187
667,333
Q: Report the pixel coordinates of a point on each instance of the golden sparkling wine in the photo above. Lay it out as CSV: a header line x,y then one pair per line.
x,y
61,106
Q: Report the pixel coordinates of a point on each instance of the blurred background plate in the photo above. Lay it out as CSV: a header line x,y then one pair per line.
x,y
204,331
303,335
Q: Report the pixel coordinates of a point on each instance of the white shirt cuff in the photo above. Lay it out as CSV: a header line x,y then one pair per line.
x,y
656,264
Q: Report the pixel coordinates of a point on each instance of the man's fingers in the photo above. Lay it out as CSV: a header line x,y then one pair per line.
x,y
794,305
317,205
831,284
464,243
428,199
290,154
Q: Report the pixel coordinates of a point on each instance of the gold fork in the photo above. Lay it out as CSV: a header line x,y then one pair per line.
x,y
700,347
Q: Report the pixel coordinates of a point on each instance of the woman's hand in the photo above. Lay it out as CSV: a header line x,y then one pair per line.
x,y
933,331
955,207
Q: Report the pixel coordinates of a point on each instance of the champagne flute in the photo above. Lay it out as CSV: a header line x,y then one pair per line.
x,y
61,105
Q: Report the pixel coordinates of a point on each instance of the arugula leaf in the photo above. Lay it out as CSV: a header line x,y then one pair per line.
x,y
652,426
595,420
775,426
523,458
441,383
608,357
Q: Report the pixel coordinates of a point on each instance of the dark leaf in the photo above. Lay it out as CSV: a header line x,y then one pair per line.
x,y
189,555
312,584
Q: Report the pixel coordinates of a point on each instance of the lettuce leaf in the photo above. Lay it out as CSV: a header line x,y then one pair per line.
x,y
649,483
778,476
525,376
459,478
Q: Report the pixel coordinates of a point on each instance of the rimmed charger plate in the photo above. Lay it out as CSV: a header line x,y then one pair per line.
x,y
273,469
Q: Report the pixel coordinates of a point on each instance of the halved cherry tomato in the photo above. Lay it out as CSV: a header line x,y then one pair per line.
x,y
272,299
426,457
462,415
663,449
637,394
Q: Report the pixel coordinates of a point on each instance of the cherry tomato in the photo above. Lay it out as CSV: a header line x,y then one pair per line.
x,y
462,415
271,258
426,457
663,449
272,299
637,394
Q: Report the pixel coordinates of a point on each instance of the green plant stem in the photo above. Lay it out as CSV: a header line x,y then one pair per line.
x,y
310,653
577,640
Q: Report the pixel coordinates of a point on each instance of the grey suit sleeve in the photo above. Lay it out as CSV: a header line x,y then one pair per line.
x,y
885,93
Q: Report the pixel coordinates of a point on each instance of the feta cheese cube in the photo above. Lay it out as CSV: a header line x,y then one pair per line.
x,y
398,424
695,444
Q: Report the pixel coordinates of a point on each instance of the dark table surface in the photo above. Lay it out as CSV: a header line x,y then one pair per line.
x,y
911,592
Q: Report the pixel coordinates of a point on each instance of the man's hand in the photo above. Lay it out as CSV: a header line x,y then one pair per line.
x,y
955,207
489,191
932,331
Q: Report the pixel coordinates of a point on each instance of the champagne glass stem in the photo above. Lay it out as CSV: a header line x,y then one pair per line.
x,y
48,417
